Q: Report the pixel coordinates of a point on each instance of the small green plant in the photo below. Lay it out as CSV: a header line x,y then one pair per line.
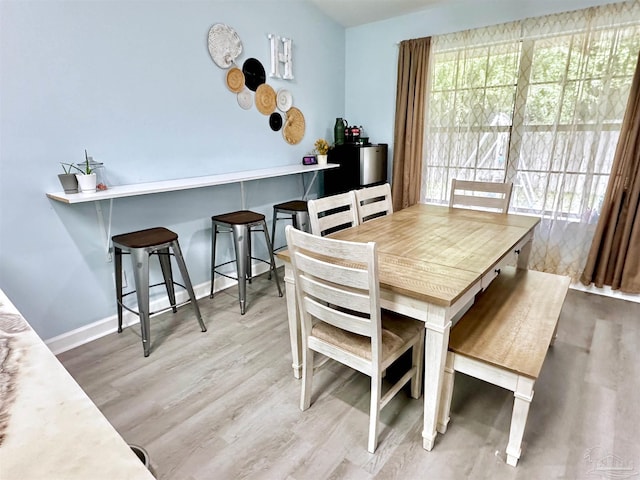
x,y
86,168
69,167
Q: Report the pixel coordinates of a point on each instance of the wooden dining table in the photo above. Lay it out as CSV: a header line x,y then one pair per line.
x,y
433,260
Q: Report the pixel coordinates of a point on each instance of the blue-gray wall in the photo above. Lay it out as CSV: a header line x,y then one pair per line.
x,y
132,82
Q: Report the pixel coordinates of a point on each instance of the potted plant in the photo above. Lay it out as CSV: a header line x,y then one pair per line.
x,y
87,177
321,148
68,179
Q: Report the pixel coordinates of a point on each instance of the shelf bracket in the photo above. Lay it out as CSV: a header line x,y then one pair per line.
x,y
105,229
313,179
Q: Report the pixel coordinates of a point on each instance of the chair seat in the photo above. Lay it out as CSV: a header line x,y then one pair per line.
x,y
145,238
241,217
397,331
292,206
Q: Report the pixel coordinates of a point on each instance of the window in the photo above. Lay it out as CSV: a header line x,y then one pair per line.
x,y
539,103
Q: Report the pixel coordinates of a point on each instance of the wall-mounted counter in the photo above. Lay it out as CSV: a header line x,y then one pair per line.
x,y
49,428
132,190
122,191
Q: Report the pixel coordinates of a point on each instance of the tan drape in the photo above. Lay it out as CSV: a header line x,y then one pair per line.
x,y
614,258
413,65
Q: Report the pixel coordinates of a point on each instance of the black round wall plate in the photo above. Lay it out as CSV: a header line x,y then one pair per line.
x,y
254,75
275,121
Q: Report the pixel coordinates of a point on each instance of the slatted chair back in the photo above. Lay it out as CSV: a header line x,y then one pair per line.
x,y
373,202
330,214
490,196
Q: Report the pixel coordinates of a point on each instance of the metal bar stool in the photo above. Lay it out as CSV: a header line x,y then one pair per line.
x,y
296,211
241,224
141,245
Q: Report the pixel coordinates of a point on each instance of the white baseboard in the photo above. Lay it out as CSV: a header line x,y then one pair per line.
x,y
606,291
106,326
93,331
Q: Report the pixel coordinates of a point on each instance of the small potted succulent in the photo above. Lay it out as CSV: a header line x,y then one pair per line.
x,y
87,177
321,148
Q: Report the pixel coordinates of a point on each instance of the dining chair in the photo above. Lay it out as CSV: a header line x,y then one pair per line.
x,y
373,202
490,196
333,213
338,294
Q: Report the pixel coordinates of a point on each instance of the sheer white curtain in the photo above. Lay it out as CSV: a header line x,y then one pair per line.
x,y
538,102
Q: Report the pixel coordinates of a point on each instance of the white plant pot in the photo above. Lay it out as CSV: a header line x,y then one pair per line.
x,y
322,159
86,183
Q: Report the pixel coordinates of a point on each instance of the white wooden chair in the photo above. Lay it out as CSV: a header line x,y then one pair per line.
x,y
330,214
373,202
490,196
338,295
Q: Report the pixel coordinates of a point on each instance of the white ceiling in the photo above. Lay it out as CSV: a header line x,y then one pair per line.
x,y
351,13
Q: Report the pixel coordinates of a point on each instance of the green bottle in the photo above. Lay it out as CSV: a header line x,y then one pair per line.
x,y
338,131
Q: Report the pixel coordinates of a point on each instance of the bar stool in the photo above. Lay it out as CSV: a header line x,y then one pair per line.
x,y
241,224
296,211
141,245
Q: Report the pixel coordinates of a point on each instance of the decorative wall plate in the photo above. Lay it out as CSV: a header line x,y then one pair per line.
x,y
254,75
284,100
235,80
275,121
244,99
224,45
294,126
265,99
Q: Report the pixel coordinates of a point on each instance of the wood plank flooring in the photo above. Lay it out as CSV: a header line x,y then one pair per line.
x,y
224,404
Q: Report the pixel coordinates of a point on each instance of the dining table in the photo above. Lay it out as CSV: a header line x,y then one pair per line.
x,y
432,262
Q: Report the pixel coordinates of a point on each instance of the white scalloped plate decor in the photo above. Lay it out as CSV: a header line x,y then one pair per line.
x,y
224,45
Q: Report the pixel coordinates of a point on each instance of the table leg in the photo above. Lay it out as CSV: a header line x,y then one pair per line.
x,y
523,255
437,328
295,332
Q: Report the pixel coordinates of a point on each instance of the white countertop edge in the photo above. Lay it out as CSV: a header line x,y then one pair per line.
x,y
51,428
120,191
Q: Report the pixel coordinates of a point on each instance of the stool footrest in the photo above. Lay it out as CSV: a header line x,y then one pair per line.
x,y
155,312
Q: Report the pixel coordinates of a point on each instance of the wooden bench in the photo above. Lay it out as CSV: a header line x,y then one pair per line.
x,y
503,339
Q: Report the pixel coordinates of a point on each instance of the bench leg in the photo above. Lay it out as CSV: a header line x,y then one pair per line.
x,y
523,396
446,393
554,336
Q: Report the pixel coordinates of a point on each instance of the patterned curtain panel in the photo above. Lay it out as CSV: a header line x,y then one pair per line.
x,y
540,103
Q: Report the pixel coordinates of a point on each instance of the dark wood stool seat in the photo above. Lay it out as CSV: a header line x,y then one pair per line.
x,y
241,224
295,210
292,206
241,217
146,238
141,245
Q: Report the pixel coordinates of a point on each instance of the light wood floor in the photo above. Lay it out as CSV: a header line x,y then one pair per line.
x,y
224,404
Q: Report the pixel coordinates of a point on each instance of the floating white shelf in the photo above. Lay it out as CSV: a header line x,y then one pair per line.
x,y
132,190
